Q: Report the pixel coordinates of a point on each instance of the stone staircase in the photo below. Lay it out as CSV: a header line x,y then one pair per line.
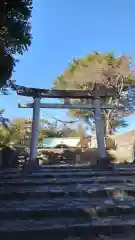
x,y
68,201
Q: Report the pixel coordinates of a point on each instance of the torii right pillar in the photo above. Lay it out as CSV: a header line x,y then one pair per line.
x,y
100,133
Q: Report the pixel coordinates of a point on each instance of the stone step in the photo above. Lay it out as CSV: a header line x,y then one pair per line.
x,y
90,190
65,174
67,208
72,168
66,181
58,167
66,202
64,224
48,170
61,204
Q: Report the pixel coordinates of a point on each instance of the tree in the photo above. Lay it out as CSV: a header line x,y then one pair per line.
x,y
18,127
13,134
15,34
47,132
18,132
68,132
116,124
98,71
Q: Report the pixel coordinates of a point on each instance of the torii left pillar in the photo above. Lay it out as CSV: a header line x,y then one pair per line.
x,y
100,133
33,163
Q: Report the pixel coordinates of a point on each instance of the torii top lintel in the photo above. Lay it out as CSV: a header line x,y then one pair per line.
x,y
46,93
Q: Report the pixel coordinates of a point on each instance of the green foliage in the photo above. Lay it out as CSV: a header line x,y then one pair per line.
x,y
47,132
68,132
117,123
14,133
97,70
94,68
15,35
74,133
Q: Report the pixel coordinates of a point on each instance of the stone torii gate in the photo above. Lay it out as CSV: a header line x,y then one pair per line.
x,y
37,94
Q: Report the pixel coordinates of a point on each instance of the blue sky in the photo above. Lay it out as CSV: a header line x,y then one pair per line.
x,y
65,29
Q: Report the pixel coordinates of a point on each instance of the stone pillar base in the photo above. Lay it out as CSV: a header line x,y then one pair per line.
x,y
104,163
31,166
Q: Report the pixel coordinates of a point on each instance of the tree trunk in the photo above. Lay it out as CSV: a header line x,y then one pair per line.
x,y
107,131
106,126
